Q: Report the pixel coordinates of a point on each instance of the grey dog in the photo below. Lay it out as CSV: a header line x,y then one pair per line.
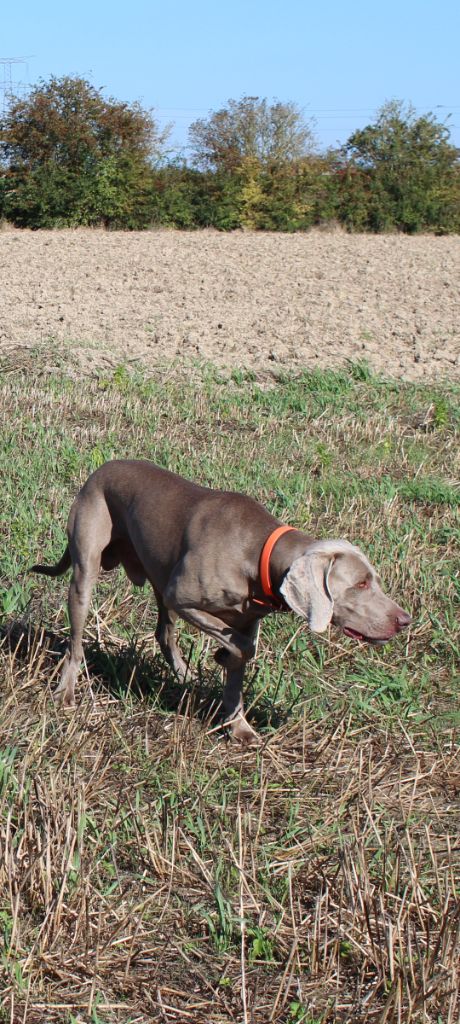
x,y
220,561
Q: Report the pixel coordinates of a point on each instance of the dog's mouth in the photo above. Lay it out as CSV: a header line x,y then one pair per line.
x,y
356,635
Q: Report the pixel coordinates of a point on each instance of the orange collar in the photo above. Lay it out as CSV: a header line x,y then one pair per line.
x,y
264,568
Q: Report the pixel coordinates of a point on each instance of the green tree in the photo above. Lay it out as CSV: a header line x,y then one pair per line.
x,y
71,156
407,171
250,129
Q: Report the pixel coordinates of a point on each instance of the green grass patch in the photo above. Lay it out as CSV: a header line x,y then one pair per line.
x,y
337,454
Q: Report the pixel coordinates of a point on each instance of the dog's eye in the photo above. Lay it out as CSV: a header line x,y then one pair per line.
x,y
363,585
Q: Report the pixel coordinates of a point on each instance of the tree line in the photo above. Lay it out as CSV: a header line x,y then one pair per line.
x,y
70,156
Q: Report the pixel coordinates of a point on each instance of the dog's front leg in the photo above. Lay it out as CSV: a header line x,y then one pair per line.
x,y
233,692
164,634
232,700
241,646
236,650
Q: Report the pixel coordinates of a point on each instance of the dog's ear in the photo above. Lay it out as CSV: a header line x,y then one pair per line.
x,y
305,589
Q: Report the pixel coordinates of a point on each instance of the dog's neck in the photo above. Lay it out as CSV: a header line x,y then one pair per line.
x,y
289,547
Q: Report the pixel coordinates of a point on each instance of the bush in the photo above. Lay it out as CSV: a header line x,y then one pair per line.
x,y
401,172
71,157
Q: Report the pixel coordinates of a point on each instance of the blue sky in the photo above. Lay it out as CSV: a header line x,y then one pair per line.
x,y
338,61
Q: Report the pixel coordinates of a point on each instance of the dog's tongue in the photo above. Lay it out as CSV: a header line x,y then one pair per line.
x,y
353,633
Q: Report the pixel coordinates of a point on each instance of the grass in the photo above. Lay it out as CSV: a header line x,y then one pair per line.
x,y
149,870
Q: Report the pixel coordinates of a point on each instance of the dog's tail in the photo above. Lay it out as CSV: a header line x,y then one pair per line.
x,y
54,570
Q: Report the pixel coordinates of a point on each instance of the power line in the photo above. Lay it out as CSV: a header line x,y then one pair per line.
x,y
333,111
7,84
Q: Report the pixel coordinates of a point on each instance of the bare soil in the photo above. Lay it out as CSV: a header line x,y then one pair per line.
x,y
257,301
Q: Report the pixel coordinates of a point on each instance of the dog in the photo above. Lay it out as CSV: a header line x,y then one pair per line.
x,y
217,559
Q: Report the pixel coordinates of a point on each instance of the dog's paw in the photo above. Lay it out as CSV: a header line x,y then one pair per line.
x,y
64,698
243,733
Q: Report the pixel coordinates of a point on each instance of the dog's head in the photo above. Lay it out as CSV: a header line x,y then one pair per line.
x,y
334,582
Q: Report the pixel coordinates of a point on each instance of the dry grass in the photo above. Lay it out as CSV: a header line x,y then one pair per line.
x,y
150,871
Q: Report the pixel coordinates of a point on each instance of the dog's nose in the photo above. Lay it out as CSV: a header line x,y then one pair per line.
x,y
403,619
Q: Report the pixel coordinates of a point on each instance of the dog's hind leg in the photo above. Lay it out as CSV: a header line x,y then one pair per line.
x,y
89,533
81,587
